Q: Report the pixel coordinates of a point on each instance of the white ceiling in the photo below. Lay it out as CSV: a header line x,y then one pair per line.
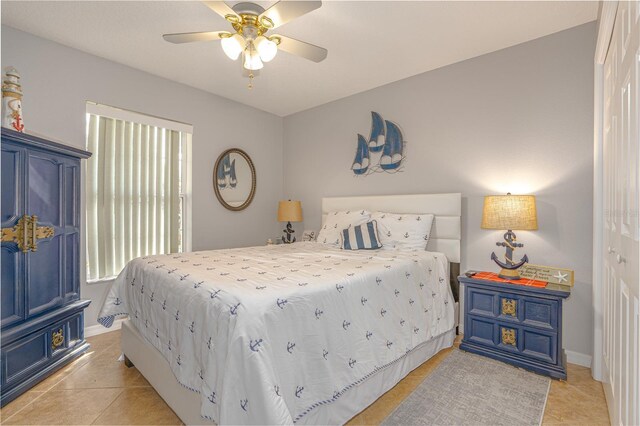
x,y
370,43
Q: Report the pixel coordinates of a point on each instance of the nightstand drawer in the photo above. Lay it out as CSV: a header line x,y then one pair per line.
x,y
527,310
529,342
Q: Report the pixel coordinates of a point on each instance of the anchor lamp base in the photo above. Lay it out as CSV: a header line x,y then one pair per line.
x,y
510,268
287,237
509,274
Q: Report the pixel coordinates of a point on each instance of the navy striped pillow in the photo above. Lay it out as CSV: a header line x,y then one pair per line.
x,y
361,237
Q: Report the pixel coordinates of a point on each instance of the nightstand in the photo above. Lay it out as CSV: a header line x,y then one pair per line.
x,y
517,324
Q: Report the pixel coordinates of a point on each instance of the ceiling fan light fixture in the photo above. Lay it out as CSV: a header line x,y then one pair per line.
x,y
251,22
233,46
266,48
252,58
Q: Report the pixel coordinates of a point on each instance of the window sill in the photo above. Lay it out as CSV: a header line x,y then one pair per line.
x,y
102,280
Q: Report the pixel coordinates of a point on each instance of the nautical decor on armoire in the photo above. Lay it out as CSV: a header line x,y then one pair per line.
x,y
383,152
509,212
12,101
42,318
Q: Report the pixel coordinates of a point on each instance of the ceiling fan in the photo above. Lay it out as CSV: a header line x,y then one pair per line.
x,y
251,22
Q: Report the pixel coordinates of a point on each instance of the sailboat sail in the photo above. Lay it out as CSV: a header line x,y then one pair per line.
x,y
221,176
392,149
226,164
361,162
376,139
232,175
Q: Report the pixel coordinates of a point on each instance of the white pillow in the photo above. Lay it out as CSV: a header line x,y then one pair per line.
x,y
403,231
336,221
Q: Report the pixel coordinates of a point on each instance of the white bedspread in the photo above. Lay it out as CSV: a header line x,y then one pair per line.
x,y
268,334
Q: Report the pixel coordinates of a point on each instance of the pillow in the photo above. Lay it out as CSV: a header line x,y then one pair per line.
x,y
403,231
361,237
336,221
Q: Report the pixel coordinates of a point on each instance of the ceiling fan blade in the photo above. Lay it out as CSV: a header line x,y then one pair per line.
x,y
221,8
300,48
284,11
191,37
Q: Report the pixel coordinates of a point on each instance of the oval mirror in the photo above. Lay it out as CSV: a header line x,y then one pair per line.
x,y
234,179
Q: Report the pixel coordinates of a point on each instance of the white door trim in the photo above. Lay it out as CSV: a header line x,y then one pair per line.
x,y
606,19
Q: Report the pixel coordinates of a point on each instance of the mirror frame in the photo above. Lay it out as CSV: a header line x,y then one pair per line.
x,y
253,180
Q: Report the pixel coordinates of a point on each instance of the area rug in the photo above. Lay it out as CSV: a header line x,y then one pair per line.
x,y
468,389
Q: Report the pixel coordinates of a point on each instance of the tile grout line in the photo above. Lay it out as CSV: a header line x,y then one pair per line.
x,y
107,407
43,393
30,402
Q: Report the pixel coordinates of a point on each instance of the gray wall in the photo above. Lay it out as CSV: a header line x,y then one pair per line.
x,y
518,120
57,81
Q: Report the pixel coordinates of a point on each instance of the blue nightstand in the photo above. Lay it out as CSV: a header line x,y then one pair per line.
x,y
517,324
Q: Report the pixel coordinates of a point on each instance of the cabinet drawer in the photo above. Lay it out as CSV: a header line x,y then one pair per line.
x,y
481,302
66,334
511,307
31,353
538,312
23,357
507,337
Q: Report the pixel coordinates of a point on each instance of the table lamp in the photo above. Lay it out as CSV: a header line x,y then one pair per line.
x,y
510,212
289,211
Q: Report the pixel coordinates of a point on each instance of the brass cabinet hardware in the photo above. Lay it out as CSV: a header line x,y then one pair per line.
x,y
26,233
19,234
39,232
509,307
32,245
509,336
57,339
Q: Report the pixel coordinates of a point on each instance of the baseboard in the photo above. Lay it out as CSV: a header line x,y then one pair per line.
x,y
578,358
94,330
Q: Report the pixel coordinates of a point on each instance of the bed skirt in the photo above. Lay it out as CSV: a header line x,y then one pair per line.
x,y
186,403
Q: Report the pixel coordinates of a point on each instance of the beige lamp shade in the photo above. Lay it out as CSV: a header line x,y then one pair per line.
x,y
510,212
289,211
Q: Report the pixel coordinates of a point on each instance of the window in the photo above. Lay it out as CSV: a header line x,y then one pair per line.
x,y
138,188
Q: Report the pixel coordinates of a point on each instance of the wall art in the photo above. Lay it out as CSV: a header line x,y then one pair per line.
x,y
384,151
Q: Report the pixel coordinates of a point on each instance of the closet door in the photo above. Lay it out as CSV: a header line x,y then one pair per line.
x,y
45,266
621,333
11,257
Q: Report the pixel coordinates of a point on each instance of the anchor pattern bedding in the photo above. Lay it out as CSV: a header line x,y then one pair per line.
x,y
268,334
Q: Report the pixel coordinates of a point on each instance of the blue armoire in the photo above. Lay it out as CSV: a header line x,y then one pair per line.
x,y
41,311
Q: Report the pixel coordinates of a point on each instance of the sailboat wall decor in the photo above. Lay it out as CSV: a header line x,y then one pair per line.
x,y
226,173
383,152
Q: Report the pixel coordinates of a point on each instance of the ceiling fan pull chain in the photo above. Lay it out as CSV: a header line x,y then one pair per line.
x,y
250,85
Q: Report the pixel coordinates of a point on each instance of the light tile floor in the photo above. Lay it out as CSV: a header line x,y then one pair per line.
x,y
98,389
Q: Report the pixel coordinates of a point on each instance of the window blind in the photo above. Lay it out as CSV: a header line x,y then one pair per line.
x,y
133,193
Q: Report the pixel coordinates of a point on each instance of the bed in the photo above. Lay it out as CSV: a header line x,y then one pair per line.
x,y
302,333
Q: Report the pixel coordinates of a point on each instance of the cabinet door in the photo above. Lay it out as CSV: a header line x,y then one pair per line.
x,y
11,258
45,266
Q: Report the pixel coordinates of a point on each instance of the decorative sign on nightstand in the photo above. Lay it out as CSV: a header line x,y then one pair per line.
x,y
309,235
547,273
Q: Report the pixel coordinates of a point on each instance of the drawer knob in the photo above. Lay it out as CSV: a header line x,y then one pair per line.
x,y
509,307
508,336
57,339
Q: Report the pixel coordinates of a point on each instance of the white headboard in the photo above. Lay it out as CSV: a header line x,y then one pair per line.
x,y
447,208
